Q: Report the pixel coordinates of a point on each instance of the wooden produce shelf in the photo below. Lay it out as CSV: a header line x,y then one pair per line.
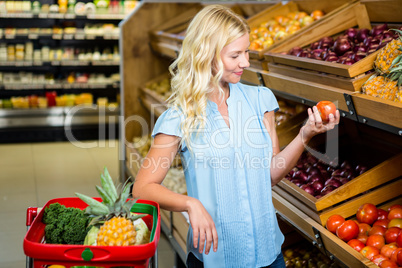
x,y
331,243
351,16
380,183
284,9
305,90
353,84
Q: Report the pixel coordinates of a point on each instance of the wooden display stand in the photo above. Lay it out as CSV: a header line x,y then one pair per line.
x,y
142,62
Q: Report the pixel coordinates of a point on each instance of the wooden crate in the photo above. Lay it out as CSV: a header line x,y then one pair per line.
x,y
377,185
353,84
352,16
167,38
284,9
155,103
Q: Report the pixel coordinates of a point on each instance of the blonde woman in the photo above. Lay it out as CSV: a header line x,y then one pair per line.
x,y
225,134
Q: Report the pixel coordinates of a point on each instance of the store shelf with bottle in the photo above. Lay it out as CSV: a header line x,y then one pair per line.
x,y
55,55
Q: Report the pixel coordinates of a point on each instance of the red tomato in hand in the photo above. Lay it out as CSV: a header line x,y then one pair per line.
x,y
348,230
395,213
388,249
369,252
333,222
325,108
356,244
377,241
391,234
367,213
382,214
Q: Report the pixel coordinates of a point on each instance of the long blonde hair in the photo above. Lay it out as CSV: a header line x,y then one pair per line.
x,y
198,69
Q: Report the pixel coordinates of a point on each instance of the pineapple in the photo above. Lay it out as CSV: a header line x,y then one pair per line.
x,y
387,81
113,215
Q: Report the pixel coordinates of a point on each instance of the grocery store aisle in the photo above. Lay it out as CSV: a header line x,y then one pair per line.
x,y
33,173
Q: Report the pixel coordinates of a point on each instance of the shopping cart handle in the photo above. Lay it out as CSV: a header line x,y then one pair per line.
x,y
32,212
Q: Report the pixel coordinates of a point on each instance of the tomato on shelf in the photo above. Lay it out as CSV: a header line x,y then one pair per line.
x,y
367,213
347,230
334,222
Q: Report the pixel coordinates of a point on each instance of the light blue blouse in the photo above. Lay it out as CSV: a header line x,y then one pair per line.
x,y
228,170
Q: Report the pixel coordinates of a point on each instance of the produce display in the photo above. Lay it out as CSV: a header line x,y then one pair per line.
x,y
287,110
304,255
274,30
318,178
162,88
376,233
387,80
106,223
349,47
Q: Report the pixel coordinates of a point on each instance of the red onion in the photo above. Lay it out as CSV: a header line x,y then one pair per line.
x,y
318,186
348,54
375,40
384,42
346,165
311,159
360,169
371,51
336,172
294,51
362,34
330,169
348,61
359,55
346,173
298,182
327,189
386,34
341,46
302,54
351,33
379,29
308,188
334,182
300,174
317,52
344,180
367,41
318,196
315,45
332,58
328,53
314,177
313,170
373,46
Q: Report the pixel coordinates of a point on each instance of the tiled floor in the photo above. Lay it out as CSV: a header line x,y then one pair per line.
x,y
31,174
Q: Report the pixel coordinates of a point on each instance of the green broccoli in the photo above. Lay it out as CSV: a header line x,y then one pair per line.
x,y
65,225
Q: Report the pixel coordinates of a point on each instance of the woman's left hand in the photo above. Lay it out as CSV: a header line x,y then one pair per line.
x,y
315,125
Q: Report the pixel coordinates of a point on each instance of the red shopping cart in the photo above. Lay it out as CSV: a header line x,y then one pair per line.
x,y
41,255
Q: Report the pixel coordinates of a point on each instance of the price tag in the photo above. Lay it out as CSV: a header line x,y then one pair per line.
x,y
55,63
80,36
42,15
37,63
27,63
19,63
10,36
91,37
68,37
33,36
57,36
56,16
69,16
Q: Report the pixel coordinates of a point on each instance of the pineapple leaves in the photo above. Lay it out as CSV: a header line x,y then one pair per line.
x,y
396,60
107,200
108,185
97,207
400,81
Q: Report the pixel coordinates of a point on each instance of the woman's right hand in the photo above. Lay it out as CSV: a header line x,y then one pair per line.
x,y
204,230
